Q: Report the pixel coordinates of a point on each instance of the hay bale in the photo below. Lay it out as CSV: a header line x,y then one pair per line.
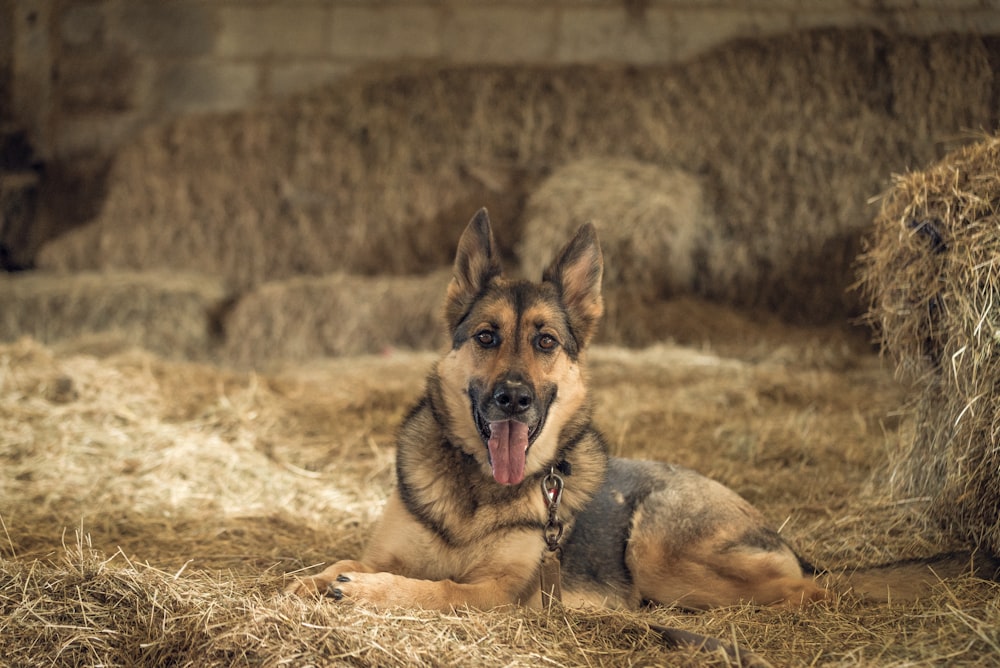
x,y
654,223
789,135
931,275
339,314
339,180
171,314
942,83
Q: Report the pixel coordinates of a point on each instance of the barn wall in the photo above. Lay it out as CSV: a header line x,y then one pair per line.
x,y
85,75
6,53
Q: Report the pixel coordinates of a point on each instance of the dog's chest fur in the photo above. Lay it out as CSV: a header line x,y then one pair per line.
x,y
447,491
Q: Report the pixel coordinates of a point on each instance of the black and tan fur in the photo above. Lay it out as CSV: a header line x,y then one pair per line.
x,y
465,524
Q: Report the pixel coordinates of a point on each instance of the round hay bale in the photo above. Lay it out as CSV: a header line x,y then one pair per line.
x,y
338,314
170,314
931,274
653,223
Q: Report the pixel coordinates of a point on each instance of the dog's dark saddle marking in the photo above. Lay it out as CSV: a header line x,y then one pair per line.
x,y
594,552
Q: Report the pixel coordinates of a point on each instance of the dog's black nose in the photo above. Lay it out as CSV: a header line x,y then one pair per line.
x,y
513,396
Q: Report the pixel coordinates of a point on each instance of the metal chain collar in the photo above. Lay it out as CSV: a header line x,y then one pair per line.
x,y
552,488
549,578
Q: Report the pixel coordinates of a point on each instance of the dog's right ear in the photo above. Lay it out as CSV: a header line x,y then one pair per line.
x,y
477,262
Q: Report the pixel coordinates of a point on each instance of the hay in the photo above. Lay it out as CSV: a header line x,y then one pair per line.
x,y
339,314
169,313
125,613
789,137
145,452
88,609
653,223
931,274
151,509
192,317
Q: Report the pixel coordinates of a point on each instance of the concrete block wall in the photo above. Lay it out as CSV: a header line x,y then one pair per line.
x,y
86,74
6,53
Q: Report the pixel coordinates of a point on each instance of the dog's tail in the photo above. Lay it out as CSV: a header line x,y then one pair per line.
x,y
910,579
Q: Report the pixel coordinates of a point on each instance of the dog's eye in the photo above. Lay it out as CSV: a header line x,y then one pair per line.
x,y
487,339
546,342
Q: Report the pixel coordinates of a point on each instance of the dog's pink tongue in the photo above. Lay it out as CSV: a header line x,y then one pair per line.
x,y
508,444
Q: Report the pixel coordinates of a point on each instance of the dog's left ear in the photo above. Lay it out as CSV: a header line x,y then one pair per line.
x,y
477,262
576,272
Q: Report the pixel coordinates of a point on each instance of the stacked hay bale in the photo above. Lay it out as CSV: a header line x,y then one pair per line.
x,y
931,273
789,137
171,314
337,314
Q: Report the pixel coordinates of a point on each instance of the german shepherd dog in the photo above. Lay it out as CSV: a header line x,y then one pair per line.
x,y
507,408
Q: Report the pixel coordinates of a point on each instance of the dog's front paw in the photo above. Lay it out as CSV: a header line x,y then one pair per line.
x,y
325,582
381,590
308,587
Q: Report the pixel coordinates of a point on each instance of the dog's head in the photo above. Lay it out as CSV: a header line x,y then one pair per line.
x,y
513,380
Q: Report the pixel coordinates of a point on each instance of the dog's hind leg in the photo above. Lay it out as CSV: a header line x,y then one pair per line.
x,y
713,574
697,544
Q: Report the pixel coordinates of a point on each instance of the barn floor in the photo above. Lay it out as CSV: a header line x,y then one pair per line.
x,y
152,510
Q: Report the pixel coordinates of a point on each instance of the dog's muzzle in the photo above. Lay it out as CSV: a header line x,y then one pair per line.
x,y
508,418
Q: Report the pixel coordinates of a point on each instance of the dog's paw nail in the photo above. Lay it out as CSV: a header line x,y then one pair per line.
x,y
334,593
343,578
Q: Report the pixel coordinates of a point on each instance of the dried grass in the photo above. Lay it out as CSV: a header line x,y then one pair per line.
x,y
151,510
931,272
789,136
